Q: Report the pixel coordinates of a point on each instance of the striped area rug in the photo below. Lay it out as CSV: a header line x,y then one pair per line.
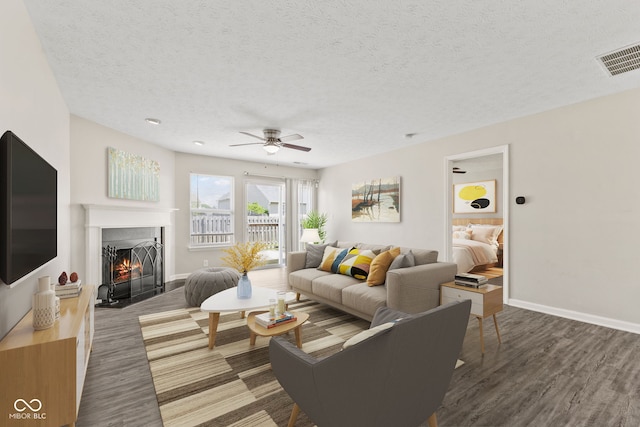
x,y
231,385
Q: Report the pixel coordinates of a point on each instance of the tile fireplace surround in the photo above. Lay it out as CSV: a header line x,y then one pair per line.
x,y
99,217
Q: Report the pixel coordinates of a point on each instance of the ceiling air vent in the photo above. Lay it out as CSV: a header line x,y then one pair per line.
x,y
623,60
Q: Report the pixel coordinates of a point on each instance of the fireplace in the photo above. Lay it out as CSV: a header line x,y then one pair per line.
x,y
132,265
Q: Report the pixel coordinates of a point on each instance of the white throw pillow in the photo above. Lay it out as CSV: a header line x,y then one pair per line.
x,y
366,334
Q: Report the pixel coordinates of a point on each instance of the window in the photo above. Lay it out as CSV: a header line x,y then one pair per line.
x,y
211,210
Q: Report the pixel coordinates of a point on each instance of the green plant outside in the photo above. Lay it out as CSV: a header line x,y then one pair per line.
x,y
255,209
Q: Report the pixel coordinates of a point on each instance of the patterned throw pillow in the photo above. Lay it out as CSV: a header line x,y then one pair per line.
x,y
462,234
357,263
332,258
380,265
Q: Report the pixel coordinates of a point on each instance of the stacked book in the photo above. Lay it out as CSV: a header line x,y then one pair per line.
x,y
265,320
470,280
70,290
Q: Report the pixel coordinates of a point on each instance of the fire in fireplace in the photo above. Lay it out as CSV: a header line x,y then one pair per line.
x,y
131,273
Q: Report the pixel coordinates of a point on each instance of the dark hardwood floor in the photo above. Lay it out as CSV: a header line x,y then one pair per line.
x,y
549,371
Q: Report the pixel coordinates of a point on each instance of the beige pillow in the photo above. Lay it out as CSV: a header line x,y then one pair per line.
x,y
366,334
380,265
485,233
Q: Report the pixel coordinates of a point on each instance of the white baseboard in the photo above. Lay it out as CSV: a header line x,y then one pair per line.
x,y
575,315
179,276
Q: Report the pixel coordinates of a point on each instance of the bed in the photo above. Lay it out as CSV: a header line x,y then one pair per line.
x,y
475,242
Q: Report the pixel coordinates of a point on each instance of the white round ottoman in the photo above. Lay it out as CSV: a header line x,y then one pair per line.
x,y
201,284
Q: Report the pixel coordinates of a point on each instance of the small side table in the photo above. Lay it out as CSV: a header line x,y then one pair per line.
x,y
485,302
259,330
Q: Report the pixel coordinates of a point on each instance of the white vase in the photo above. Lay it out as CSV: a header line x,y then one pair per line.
x,y
44,305
244,287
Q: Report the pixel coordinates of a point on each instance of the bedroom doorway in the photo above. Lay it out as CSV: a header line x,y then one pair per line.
x,y
488,168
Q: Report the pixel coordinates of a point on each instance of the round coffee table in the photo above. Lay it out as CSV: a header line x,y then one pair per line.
x,y
258,330
227,300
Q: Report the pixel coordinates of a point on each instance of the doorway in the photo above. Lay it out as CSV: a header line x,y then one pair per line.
x,y
265,218
470,165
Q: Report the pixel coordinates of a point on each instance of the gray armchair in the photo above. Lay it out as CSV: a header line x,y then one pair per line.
x,y
397,377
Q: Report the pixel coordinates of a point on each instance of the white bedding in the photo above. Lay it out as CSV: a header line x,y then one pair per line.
x,y
471,253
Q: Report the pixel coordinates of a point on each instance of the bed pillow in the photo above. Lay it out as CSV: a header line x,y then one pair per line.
x,y
459,228
331,258
357,263
462,234
485,233
380,265
315,253
403,261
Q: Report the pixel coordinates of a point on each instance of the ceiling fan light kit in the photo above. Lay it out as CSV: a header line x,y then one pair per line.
x,y
272,141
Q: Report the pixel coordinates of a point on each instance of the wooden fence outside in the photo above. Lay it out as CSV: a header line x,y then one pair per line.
x,y
216,228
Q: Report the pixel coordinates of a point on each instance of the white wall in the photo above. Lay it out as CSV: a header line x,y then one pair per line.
x,y
189,260
572,246
32,107
89,142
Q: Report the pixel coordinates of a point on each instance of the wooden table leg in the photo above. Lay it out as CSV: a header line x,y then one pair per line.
x,y
252,338
481,335
213,328
495,322
298,332
433,421
243,314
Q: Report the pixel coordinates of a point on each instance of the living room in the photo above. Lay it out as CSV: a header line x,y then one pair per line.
x,y
569,247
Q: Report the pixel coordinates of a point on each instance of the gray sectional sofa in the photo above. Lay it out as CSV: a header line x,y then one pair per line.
x,y
410,289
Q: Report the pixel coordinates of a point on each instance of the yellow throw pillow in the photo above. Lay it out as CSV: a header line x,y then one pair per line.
x,y
380,265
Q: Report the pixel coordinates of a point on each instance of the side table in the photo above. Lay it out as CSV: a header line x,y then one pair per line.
x,y
485,302
257,330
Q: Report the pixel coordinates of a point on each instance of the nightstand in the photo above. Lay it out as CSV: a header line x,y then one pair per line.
x,y
485,302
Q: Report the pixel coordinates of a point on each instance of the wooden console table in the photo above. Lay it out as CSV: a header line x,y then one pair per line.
x,y
42,372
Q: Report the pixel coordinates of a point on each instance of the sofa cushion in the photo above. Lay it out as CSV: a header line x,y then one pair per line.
x,y
301,279
422,256
332,258
403,261
379,248
330,286
380,265
363,298
315,253
357,263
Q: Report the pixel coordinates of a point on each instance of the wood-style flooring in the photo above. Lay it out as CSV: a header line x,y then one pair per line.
x,y
548,371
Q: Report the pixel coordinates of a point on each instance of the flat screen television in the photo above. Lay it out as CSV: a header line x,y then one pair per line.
x,y
28,209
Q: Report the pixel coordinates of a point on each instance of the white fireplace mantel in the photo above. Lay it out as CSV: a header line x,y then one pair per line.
x,y
98,217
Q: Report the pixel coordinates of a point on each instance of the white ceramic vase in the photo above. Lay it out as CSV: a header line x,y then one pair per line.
x,y
44,305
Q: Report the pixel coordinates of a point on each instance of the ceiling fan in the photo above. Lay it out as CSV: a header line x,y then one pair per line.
x,y
273,142
458,170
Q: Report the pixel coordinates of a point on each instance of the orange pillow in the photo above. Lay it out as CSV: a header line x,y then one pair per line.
x,y
380,265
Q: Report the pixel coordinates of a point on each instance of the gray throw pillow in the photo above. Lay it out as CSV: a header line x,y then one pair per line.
x,y
403,261
314,254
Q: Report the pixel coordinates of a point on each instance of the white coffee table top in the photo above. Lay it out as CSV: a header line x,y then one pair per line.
x,y
227,300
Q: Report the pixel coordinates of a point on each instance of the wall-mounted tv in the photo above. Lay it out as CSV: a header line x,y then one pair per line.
x,y
28,209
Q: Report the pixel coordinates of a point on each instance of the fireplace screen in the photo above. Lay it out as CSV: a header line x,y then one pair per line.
x,y
132,274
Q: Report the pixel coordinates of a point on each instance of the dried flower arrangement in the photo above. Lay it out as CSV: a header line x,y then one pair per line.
x,y
245,256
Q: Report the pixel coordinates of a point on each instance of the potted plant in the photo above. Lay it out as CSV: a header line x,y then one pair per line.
x,y
316,220
245,257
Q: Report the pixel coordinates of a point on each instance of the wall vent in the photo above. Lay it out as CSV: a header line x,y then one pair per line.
x,y
622,61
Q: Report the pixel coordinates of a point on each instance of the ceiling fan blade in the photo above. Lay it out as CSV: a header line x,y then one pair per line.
x,y
248,143
297,147
255,136
458,171
292,137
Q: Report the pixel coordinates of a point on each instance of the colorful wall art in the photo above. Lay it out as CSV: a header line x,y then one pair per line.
x,y
133,177
376,200
475,197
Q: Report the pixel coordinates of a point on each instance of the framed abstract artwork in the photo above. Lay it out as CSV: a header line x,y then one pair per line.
x,y
132,177
475,197
376,200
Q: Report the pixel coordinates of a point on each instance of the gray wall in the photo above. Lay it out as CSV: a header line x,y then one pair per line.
x,y
32,107
572,246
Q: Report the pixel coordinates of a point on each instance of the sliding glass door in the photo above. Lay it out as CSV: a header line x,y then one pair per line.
x,y
265,217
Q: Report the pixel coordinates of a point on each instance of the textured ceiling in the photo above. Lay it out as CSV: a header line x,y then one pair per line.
x,y
352,77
